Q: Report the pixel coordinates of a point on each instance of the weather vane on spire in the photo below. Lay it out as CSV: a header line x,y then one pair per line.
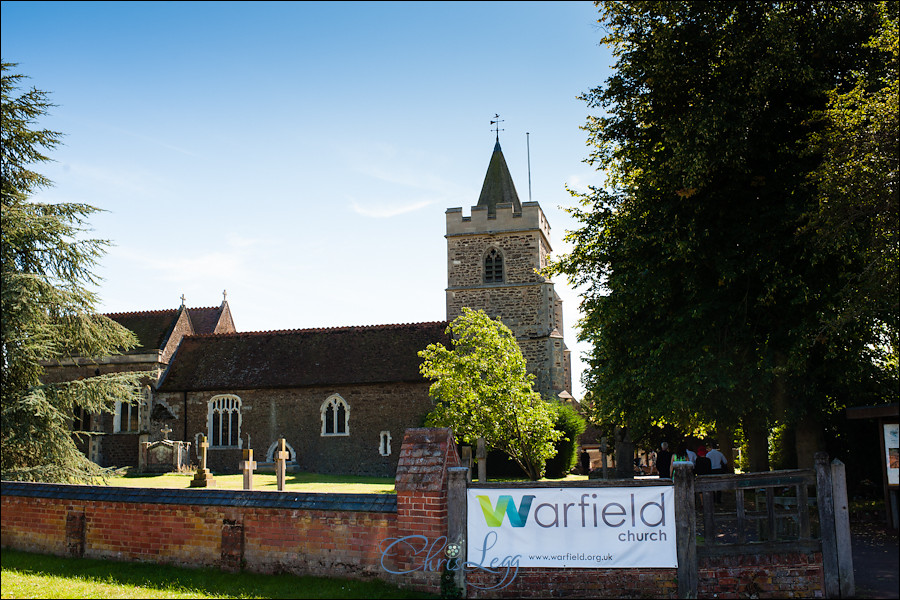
x,y
496,123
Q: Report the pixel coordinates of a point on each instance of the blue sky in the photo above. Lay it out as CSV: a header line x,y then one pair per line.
x,y
301,156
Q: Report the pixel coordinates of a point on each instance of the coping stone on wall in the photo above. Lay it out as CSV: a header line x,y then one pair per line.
x,y
424,457
385,503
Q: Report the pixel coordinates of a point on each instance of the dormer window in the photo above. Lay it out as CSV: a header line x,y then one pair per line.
x,y
493,267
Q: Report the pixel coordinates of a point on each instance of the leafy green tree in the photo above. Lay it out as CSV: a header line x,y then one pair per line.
x,y
47,308
705,292
482,389
858,187
572,425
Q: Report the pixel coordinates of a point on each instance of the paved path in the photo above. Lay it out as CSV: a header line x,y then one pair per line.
x,y
876,560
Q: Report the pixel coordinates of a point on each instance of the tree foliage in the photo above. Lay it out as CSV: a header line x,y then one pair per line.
x,y
858,183
571,425
482,389
705,292
47,307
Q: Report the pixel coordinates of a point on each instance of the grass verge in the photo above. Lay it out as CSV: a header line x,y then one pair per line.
x,y
27,575
265,482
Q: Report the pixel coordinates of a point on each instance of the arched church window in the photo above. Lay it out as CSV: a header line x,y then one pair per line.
x,y
493,266
335,416
224,421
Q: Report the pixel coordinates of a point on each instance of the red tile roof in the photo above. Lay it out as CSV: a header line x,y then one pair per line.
x,y
298,358
152,327
205,319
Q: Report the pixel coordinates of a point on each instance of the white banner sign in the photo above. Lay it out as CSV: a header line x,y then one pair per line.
x,y
572,527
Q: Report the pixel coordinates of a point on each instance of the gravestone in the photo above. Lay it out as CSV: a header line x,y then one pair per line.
x,y
165,455
281,456
247,466
203,477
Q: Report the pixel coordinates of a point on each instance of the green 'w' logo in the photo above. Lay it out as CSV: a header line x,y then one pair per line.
x,y
494,516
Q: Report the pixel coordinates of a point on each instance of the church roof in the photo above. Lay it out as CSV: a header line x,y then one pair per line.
x,y
498,185
299,358
153,327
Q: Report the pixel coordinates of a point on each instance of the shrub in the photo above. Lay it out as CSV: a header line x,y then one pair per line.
x,y
571,424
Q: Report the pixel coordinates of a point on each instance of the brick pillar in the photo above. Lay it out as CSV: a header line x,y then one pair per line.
x,y
232,545
421,485
75,533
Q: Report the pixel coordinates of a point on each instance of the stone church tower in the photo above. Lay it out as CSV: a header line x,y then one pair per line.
x,y
493,257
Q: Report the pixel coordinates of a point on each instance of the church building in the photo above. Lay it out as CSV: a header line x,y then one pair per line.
x,y
341,397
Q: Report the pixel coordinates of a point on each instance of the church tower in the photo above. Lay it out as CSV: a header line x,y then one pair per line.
x,y
493,258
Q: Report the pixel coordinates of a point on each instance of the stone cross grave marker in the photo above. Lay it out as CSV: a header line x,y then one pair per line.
x,y
481,455
203,477
281,457
166,430
467,462
247,466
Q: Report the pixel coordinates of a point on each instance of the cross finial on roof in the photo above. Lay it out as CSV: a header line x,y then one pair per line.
x,y
224,295
496,123
182,300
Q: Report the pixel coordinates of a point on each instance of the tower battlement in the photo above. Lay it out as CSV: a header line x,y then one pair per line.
x,y
506,219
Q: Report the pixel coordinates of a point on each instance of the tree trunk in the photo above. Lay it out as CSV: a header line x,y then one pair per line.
x,y
810,439
756,433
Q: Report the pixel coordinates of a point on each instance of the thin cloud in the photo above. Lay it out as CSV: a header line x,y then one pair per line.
x,y
386,212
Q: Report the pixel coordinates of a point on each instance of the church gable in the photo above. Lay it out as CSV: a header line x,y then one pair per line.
x,y
214,319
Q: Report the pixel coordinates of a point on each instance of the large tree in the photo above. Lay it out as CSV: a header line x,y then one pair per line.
x,y
705,292
48,308
482,389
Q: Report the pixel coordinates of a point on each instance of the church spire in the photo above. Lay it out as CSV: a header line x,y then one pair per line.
x,y
498,185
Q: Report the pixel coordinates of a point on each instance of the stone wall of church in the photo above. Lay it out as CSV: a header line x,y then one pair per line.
x,y
85,368
523,253
119,450
296,415
521,308
532,312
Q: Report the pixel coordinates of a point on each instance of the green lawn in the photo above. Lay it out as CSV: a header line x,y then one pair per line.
x,y
294,482
26,575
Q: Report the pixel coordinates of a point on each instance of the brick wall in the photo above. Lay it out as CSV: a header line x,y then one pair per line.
x,y
576,583
786,575
220,528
